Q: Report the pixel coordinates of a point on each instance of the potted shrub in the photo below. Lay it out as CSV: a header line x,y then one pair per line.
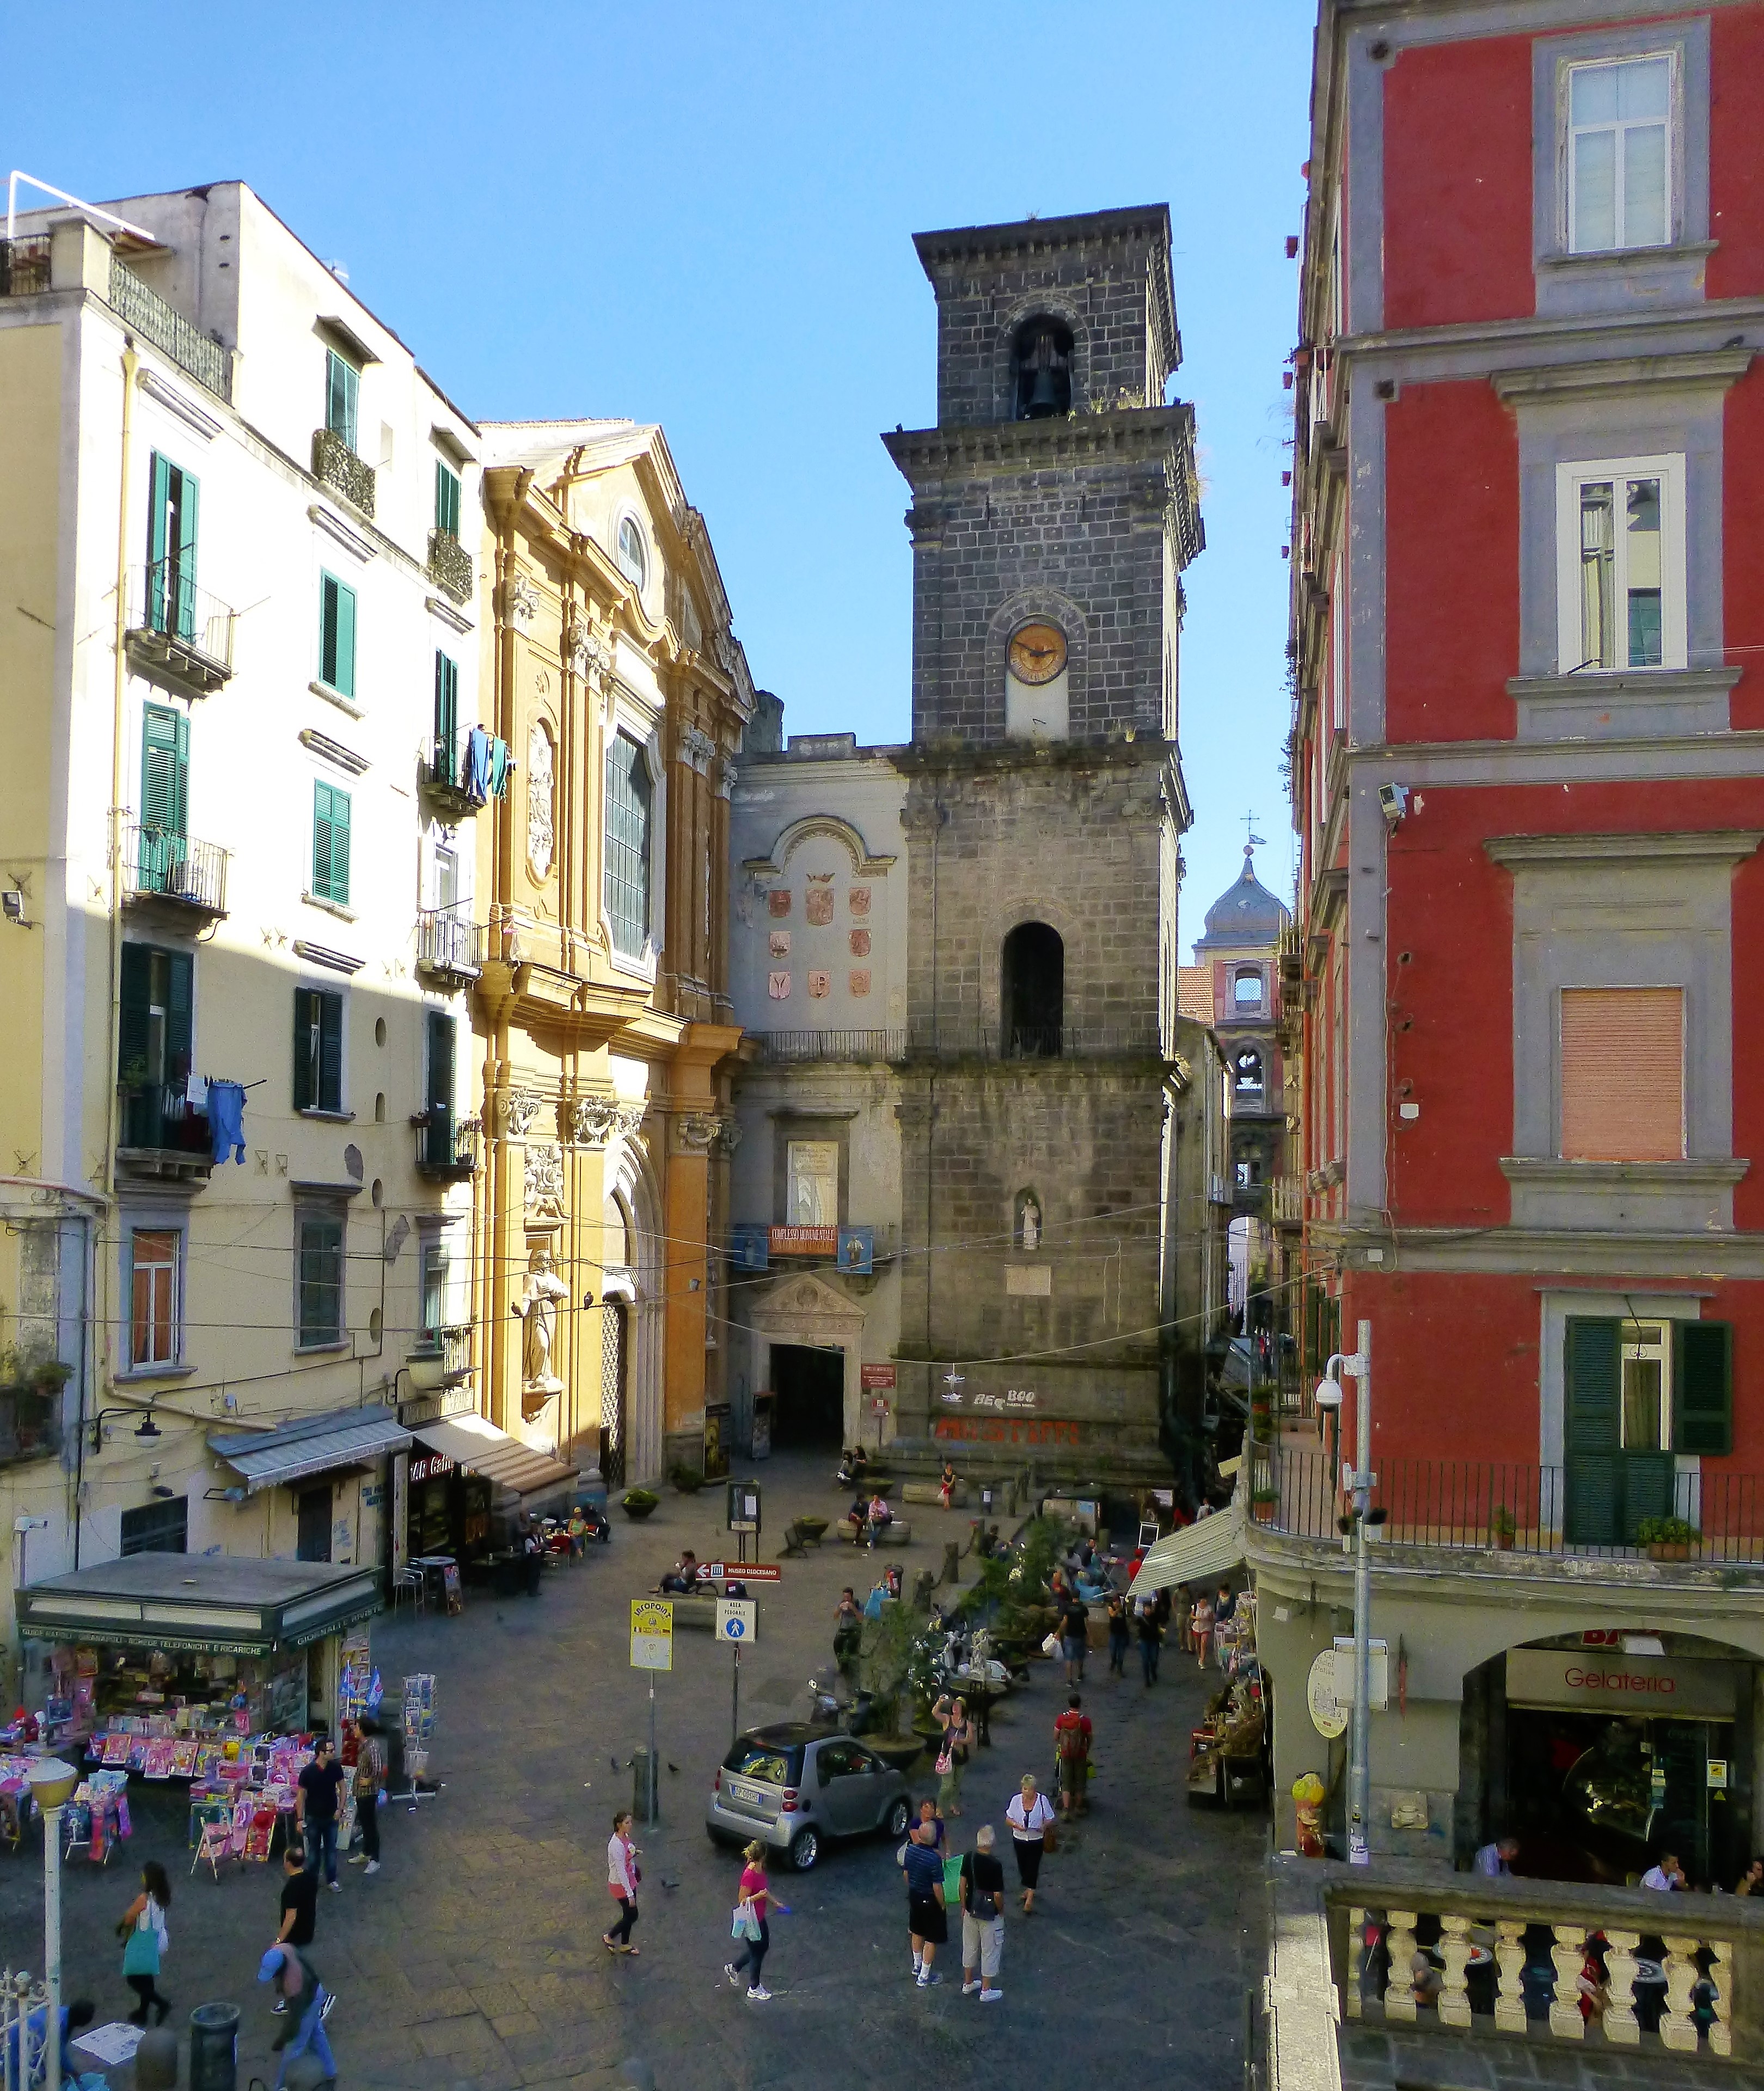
x,y
687,1480
1667,1538
1263,1503
639,1502
1501,1529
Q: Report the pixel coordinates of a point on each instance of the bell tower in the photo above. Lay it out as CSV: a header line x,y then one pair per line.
x,y
1054,508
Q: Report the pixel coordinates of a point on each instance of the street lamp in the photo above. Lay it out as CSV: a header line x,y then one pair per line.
x,y
52,1785
1358,1367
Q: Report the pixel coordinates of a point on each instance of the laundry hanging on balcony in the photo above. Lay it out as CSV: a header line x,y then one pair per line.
x,y
226,1120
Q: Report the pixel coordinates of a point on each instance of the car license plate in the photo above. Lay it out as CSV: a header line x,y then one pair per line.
x,y
750,1795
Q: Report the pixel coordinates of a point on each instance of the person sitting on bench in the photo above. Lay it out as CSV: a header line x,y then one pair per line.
x,y
683,1577
877,1518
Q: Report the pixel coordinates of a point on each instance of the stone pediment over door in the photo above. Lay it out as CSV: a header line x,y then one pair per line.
x,y
806,1303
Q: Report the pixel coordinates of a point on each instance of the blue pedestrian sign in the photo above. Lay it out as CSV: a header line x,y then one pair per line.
x,y
736,1619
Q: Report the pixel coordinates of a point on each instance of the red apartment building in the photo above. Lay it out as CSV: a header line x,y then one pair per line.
x,y
1528,771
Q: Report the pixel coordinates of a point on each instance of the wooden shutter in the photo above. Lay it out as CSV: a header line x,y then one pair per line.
x,y
133,1025
331,1091
187,496
304,1058
164,769
337,635
1702,1387
446,704
159,501
1622,1074
330,843
441,1060
180,1015
1593,1453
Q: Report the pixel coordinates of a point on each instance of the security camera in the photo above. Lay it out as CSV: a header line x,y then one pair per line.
x,y
1394,800
1328,1394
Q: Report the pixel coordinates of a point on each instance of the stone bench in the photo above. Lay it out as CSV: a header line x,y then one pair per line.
x,y
899,1533
930,1492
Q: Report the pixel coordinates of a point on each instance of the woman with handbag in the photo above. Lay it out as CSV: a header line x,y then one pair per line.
x,y
623,1875
753,1907
952,1758
1031,1820
142,1927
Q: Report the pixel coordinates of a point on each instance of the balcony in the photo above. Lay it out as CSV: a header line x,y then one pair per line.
x,y
158,866
24,265
450,565
442,1356
177,633
1287,1201
336,465
450,947
1032,1042
151,318
30,1423
784,1049
162,1134
460,775
447,1146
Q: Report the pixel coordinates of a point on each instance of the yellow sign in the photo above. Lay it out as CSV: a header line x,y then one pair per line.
x,y
652,1633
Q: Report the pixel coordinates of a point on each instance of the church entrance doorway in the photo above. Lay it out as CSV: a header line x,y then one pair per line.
x,y
810,1385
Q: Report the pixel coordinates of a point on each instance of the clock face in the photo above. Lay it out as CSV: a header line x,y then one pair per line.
x,y
1037,654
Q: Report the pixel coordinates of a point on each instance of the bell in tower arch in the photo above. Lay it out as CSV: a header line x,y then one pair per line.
x,y
1043,370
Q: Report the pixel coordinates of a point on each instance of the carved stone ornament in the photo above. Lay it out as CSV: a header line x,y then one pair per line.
x,y
694,1131
544,1180
697,749
585,648
540,833
595,1121
520,1107
724,782
728,1134
522,600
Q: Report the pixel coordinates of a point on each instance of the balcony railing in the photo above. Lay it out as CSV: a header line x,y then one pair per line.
x,y
1046,1041
1287,1200
462,776
162,1133
450,944
450,565
30,1424
447,1146
158,866
178,631
1512,1507
151,318
336,465
784,1048
450,1346
24,265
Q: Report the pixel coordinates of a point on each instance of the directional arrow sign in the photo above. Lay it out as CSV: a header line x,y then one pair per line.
x,y
737,1619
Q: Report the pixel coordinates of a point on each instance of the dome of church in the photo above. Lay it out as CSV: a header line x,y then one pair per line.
x,y
1246,912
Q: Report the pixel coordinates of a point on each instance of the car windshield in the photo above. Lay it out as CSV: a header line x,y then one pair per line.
x,y
769,1763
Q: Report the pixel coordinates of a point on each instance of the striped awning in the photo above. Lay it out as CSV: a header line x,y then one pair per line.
x,y
1212,1546
480,1448
310,1445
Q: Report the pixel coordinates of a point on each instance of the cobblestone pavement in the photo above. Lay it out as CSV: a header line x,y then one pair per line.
x,y
474,1958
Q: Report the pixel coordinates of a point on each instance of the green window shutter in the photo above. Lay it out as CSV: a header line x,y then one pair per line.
x,y
1594,1437
330,1085
447,700
342,392
1702,1387
441,1060
164,769
179,1018
344,680
159,500
187,500
330,843
446,499
328,589
340,847
305,1048
133,1026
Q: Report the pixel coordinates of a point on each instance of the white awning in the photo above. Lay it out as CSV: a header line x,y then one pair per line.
x,y
311,1445
1211,1547
479,1447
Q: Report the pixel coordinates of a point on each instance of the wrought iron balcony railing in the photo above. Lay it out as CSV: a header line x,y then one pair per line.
x,y
30,1424
784,1048
161,1132
178,632
148,314
336,465
446,1145
24,265
462,777
158,866
450,944
450,565
1035,1041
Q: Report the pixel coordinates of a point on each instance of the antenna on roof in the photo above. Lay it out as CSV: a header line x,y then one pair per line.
x,y
18,175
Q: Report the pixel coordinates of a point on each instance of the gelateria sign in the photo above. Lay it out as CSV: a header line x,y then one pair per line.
x,y
1602,1680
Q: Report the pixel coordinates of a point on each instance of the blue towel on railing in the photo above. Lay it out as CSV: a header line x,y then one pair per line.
x,y
501,767
226,1120
477,765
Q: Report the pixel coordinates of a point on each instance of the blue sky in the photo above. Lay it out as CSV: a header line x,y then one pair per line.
x,y
702,215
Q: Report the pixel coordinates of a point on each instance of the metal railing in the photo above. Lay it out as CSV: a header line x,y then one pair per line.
x,y
445,767
30,1424
782,1048
1512,1508
23,2026
1287,1199
1049,1041
154,1117
159,866
148,314
446,1145
24,265
180,624
448,941
450,565
336,465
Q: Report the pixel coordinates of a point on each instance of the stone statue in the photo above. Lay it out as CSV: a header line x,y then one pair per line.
x,y
1032,1224
537,1307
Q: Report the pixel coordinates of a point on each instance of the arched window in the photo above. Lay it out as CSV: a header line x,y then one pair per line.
x,y
1041,364
633,554
1246,988
1246,1073
1033,1003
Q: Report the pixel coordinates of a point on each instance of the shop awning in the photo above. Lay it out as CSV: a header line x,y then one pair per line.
x,y
221,1603
480,1448
1212,1546
310,1445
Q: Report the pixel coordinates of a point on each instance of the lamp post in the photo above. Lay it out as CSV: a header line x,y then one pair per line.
x,y
1358,1367
52,1785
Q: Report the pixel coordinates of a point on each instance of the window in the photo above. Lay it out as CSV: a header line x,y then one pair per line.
x,y
438,1148
342,397
1246,988
437,1291
153,1044
1043,367
318,1282
446,708
629,794
811,1184
153,1295
633,554
446,499
1621,565
1033,992
1619,182
1646,1354
164,769
171,550
1622,1074
1638,1392
1246,1075
161,1526
1247,1173
330,843
312,1523
318,1049
337,635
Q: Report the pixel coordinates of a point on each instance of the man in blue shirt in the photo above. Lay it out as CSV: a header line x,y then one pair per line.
x,y
75,2018
929,1927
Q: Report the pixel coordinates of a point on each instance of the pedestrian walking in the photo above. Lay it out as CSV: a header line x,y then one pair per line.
x,y
753,1906
982,1919
1072,1746
299,1906
370,1784
315,1810
1031,1820
1146,1627
926,1923
1074,1636
306,2003
1224,1629
952,1758
623,1875
1118,1633
848,1629
146,1941
931,1822
1184,1615
1201,1621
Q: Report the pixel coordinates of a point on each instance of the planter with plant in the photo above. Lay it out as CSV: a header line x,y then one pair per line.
x,y
639,1502
1264,1504
687,1480
1667,1538
1502,1529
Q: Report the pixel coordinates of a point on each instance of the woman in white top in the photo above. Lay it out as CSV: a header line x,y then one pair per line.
x,y
1030,1817
623,1874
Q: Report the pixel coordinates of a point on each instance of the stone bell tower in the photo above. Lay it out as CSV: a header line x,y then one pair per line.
x,y
1054,509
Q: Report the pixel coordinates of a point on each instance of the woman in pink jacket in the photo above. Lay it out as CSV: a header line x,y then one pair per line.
x,y
623,1874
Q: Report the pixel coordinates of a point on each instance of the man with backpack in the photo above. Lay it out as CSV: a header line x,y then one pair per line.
x,y
1072,1741
982,1919
303,2030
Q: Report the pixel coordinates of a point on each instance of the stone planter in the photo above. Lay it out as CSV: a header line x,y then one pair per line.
x,y
1669,1550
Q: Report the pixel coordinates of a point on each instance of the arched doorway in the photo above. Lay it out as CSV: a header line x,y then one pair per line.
x,y
1032,996
630,1424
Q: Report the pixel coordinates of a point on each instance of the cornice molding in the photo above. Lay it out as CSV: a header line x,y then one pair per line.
x,y
1728,846
1717,367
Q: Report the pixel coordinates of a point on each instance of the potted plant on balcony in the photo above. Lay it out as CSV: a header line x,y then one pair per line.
x,y
639,1502
1667,1538
1501,1529
1263,1503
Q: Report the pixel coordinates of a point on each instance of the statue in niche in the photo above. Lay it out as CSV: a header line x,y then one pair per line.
x,y
539,832
1028,1222
537,1308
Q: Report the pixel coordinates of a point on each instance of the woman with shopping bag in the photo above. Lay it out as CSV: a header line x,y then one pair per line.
x,y
142,1928
751,1924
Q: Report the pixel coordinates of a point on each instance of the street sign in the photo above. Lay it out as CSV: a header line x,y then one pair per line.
x,y
737,1620
740,1572
652,1633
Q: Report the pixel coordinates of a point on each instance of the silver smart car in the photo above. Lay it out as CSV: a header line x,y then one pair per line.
x,y
797,1784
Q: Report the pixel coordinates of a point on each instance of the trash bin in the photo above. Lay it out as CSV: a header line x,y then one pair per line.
x,y
214,2047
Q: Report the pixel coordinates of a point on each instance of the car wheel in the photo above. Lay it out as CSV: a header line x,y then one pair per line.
x,y
898,1817
804,1849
